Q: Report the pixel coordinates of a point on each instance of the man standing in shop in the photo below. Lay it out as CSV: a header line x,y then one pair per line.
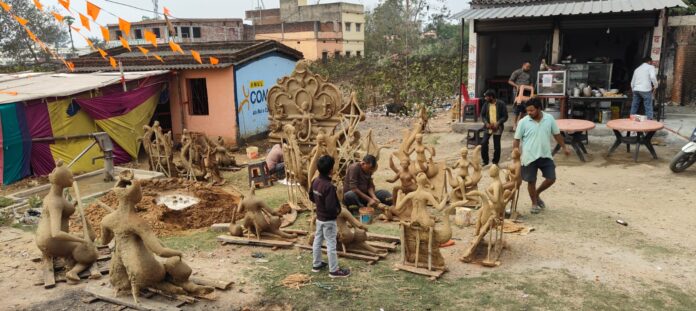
x,y
643,84
494,114
519,77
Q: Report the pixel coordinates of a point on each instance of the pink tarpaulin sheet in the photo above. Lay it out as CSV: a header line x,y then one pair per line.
x,y
42,162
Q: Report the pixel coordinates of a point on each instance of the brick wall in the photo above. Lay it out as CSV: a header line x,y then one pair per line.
x,y
684,82
689,76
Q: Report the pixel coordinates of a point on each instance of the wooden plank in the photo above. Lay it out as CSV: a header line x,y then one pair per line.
x,y
421,271
383,238
48,273
144,304
382,245
295,231
220,227
253,242
224,285
184,298
342,254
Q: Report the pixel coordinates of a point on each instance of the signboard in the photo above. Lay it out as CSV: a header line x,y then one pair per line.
x,y
252,81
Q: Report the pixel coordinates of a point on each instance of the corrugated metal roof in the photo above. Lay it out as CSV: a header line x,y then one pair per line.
x,y
570,8
50,84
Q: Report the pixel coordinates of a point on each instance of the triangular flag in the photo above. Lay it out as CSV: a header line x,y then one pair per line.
x,y
124,25
144,50
32,36
103,54
214,61
196,56
5,6
125,44
175,47
20,20
93,10
157,57
75,28
151,37
105,33
58,17
166,12
65,4
38,5
11,93
71,66
89,42
85,21
112,61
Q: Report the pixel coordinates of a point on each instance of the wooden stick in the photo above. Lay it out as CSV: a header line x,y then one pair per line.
x,y
430,247
48,273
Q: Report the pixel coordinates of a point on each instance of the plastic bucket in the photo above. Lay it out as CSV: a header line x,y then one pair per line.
x,y
366,214
252,152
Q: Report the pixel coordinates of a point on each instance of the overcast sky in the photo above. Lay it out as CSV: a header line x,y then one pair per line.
x,y
195,8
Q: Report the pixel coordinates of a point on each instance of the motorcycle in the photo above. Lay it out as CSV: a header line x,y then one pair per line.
x,y
686,157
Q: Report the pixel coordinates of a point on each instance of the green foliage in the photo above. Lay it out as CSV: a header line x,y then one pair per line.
x,y
15,43
35,201
689,10
4,202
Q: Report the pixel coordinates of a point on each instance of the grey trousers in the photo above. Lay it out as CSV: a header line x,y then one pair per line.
x,y
326,230
351,198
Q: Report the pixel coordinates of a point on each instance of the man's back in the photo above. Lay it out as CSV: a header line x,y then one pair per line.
x,y
536,137
644,78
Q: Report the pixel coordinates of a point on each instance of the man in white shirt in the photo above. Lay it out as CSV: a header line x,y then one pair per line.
x,y
643,84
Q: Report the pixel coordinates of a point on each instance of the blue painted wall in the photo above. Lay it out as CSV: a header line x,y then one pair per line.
x,y
252,81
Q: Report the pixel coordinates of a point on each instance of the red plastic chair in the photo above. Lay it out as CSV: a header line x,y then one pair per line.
x,y
468,101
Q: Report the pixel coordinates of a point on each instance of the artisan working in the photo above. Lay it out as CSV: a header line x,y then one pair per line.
x,y
519,77
275,163
358,187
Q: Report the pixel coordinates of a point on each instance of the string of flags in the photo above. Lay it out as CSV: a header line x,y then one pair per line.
x,y
86,20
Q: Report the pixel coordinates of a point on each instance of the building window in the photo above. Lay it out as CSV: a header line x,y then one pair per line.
x,y
347,27
198,97
358,54
156,31
196,32
347,54
324,57
337,54
138,34
185,32
357,27
176,32
119,33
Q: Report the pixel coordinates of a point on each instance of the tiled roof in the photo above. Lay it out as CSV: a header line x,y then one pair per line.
x,y
228,53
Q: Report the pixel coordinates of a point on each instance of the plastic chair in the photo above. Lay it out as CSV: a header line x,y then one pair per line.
x,y
258,175
474,137
468,101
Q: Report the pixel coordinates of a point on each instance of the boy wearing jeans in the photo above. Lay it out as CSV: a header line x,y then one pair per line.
x,y
323,194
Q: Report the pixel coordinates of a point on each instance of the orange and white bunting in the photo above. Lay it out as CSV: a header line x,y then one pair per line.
x,y
93,10
166,11
124,25
65,4
70,65
57,16
175,47
89,42
31,35
11,93
196,56
5,6
38,5
157,57
20,20
214,61
125,44
143,50
112,61
84,21
151,37
102,53
105,33
76,28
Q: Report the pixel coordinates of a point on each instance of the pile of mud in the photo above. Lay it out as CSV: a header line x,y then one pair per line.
x,y
215,206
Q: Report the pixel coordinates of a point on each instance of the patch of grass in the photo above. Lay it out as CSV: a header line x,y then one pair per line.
x,y
378,286
201,241
24,227
5,202
433,140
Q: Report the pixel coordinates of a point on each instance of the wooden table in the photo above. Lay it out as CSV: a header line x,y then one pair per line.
x,y
645,130
573,130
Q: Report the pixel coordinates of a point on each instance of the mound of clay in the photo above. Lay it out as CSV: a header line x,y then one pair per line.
x,y
216,205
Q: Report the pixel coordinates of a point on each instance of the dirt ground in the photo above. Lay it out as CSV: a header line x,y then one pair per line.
x,y
577,257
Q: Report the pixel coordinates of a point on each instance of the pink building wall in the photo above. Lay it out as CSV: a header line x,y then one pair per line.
x,y
222,117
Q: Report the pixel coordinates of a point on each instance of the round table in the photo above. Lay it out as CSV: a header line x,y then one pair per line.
x,y
574,132
645,130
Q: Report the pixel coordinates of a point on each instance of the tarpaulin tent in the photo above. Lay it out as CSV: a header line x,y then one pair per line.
x,y
119,114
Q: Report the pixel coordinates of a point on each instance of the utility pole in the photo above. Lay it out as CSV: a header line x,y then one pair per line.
x,y
155,11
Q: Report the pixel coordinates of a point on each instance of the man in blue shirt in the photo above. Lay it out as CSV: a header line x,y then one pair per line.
x,y
535,132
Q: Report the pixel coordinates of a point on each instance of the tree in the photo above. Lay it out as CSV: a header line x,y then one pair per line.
x,y
14,41
69,20
689,10
98,42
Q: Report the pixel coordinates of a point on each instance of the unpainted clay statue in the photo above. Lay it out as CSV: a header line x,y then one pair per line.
x,y
351,234
476,175
147,144
259,220
211,167
513,182
462,178
492,215
413,206
404,176
405,149
52,236
133,262
420,249
223,156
